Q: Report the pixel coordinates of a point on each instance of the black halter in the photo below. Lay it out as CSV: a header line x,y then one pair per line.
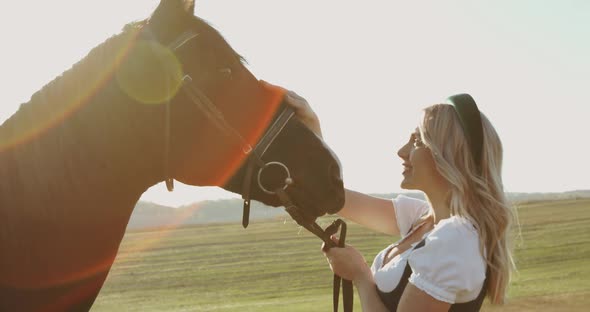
x,y
255,161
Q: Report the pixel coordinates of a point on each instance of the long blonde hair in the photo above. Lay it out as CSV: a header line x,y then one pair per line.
x,y
477,197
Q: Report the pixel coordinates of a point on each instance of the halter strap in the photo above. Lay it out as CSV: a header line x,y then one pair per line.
x,y
169,181
256,160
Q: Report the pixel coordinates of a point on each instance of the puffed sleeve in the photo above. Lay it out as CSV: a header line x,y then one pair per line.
x,y
449,266
407,211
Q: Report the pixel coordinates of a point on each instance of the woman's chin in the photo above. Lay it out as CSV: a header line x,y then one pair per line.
x,y
407,185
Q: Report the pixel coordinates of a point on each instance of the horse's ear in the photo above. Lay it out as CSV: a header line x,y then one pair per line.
x,y
171,16
189,6
175,7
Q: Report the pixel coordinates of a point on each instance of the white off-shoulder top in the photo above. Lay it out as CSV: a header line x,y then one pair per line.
x,y
449,267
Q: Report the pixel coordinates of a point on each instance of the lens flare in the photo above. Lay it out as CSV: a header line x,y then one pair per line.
x,y
68,92
151,75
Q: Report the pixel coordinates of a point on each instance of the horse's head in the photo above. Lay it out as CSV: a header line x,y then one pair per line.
x,y
215,117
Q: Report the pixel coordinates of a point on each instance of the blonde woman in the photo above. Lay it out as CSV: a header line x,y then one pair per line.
x,y
454,248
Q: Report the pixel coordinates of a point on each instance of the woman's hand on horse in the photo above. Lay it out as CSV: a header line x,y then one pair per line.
x,y
347,262
303,111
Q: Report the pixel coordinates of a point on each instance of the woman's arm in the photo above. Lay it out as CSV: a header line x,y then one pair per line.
x,y
375,213
368,295
372,212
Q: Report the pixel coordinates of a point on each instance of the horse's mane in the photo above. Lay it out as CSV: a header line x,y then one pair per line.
x,y
82,118
76,86
73,121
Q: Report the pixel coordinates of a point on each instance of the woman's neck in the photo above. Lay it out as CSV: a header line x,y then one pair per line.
x,y
438,199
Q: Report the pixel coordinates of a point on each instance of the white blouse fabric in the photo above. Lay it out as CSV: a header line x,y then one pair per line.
x,y
449,267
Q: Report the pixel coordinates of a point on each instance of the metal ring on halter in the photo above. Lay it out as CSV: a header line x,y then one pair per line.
x,y
288,179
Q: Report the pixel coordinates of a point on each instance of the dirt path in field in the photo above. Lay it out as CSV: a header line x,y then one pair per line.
x,y
563,302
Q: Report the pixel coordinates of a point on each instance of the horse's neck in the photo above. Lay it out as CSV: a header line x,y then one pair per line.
x,y
80,152
73,163
81,135
76,182
104,149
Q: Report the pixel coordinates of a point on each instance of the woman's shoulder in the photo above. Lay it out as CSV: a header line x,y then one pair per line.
x,y
456,236
408,210
409,200
449,264
453,241
455,227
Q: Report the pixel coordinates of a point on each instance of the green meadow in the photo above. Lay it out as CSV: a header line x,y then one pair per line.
x,y
277,266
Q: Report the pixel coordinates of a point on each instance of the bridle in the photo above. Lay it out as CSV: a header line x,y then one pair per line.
x,y
255,162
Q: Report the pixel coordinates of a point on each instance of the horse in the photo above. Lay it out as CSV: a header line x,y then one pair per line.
x,y
76,158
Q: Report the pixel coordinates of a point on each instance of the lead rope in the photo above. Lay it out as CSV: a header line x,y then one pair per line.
x,y
324,235
347,298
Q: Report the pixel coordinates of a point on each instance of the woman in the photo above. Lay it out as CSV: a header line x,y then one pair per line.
x,y
455,246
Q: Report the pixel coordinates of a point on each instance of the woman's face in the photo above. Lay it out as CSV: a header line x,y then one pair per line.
x,y
420,171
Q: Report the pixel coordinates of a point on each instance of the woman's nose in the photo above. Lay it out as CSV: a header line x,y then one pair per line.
x,y
403,152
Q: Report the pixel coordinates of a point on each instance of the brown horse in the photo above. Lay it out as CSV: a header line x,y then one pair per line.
x,y
76,158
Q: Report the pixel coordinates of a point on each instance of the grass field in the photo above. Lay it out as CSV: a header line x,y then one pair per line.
x,y
276,266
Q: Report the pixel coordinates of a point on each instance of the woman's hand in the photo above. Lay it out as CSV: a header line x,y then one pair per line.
x,y
347,262
303,111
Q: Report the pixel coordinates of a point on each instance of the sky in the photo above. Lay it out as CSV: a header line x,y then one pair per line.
x,y
367,68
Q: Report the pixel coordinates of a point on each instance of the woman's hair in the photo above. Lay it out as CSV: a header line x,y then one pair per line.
x,y
479,197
